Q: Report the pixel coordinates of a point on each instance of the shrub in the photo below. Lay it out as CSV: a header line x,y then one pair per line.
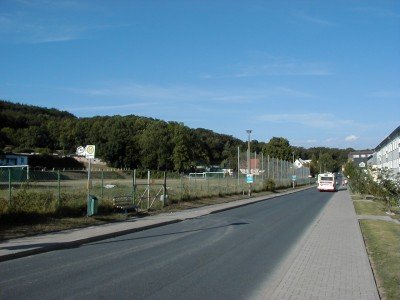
x,y
270,185
28,201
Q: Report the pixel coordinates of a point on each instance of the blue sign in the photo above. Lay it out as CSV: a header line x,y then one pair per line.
x,y
294,177
249,178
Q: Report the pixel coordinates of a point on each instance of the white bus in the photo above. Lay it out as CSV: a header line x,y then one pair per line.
x,y
327,182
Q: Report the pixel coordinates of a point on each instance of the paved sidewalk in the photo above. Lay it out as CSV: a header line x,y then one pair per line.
x,y
21,247
332,262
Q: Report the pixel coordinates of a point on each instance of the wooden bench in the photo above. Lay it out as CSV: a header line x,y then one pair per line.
x,y
124,203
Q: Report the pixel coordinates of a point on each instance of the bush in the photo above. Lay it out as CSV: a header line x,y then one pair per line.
x,y
377,182
270,185
28,201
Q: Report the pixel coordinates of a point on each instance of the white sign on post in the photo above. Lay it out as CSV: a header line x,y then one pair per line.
x,y
88,151
80,151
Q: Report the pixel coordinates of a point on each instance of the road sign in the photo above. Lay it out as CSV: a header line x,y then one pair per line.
x,y
87,151
80,150
90,150
294,177
249,178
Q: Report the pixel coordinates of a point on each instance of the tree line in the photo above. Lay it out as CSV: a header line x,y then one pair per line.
x,y
140,142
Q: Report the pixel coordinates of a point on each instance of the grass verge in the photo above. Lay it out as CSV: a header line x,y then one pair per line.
x,y
382,240
375,208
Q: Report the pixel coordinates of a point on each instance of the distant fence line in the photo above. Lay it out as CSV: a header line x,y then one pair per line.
x,y
61,187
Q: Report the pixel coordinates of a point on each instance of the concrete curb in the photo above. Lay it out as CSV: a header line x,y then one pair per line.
x,y
47,247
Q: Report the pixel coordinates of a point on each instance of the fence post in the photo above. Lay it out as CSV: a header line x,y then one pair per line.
x,y
262,166
134,186
102,184
9,188
273,168
148,189
181,187
238,166
165,188
59,189
208,186
219,185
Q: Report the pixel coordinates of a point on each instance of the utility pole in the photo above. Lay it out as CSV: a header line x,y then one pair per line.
x,y
293,170
238,167
248,157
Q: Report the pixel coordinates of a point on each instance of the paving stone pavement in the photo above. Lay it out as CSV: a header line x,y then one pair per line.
x,y
332,262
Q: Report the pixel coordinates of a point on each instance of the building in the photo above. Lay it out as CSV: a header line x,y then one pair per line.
x,y
13,160
255,166
387,153
360,158
300,163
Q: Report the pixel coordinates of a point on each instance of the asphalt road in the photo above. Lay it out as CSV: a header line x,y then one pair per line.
x,y
220,256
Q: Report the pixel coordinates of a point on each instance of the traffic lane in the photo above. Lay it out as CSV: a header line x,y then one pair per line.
x,y
220,255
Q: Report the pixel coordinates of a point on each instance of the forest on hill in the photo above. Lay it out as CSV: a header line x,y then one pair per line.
x,y
140,142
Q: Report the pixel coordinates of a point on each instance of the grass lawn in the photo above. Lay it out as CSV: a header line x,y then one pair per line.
x,y
382,240
376,208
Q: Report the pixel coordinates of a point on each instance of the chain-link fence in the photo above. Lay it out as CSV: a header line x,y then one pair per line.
x,y
43,191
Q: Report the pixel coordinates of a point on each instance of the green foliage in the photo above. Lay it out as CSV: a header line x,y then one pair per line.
x,y
270,185
135,142
29,201
280,148
378,182
326,163
325,159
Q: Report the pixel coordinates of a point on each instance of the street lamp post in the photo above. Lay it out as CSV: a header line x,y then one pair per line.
x,y
248,158
293,170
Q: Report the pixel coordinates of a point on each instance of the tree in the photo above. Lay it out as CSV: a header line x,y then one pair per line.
x,y
279,147
182,156
155,147
389,186
326,163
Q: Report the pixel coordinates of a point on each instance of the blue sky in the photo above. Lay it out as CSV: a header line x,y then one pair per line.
x,y
319,73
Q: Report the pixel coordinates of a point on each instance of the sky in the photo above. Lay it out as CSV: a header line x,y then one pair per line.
x,y
318,73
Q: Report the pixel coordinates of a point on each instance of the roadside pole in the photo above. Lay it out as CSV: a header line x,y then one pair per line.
x,y
89,152
89,179
59,189
9,188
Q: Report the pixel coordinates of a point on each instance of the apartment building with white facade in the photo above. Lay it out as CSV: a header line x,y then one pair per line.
x,y
387,153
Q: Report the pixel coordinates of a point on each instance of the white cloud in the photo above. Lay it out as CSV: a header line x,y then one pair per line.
x,y
283,68
34,22
308,119
377,12
351,138
385,94
258,63
312,19
330,140
146,91
109,107
239,95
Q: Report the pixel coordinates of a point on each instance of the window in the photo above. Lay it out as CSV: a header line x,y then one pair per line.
x,y
356,156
